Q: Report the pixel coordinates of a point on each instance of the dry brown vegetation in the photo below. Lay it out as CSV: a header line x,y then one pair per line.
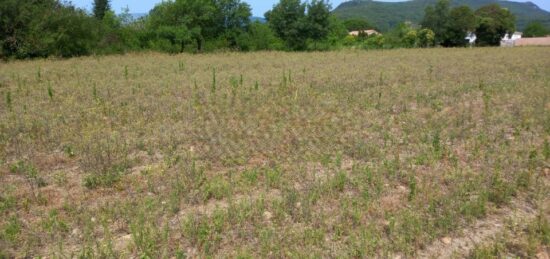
x,y
337,154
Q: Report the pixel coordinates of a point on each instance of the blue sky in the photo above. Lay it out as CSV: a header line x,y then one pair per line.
x,y
259,7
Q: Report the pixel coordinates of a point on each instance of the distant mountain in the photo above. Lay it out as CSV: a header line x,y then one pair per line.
x,y
258,19
385,15
136,16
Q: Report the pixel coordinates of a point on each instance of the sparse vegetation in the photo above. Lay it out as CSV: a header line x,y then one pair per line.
x,y
530,241
273,154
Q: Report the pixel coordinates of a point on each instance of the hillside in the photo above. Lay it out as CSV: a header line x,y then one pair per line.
x,y
385,15
258,19
138,15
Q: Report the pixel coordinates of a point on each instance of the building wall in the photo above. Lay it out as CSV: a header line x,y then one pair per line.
x,y
543,41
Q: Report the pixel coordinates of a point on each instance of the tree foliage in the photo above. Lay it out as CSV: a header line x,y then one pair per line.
x,y
405,35
536,29
100,8
32,28
176,25
40,28
493,22
461,21
318,13
288,21
234,16
357,24
436,18
259,37
490,23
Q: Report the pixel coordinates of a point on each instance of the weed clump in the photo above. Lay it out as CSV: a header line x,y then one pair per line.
x,y
50,92
213,88
11,230
500,191
105,158
31,175
546,150
8,100
217,188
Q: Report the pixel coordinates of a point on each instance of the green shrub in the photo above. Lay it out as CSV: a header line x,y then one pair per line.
x,y
499,190
7,203
11,229
217,188
105,179
31,175
339,181
104,157
272,177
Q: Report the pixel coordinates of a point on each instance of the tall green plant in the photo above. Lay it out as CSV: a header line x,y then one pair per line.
x,y
101,7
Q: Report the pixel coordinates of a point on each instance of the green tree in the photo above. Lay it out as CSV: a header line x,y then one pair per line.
x,y
31,28
318,13
535,29
298,29
178,25
259,37
70,32
20,25
437,19
233,14
336,29
100,8
196,18
288,21
406,35
118,33
493,22
461,21
334,39
403,35
234,18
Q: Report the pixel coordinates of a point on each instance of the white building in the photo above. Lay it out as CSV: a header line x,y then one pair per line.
x,y
510,40
364,32
516,36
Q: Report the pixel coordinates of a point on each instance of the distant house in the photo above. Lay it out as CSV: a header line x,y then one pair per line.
x,y
510,40
364,32
516,39
516,36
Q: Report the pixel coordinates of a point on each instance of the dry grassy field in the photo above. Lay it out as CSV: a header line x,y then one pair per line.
x,y
391,154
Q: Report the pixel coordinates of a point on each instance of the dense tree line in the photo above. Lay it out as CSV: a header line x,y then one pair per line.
x,y
42,28
490,23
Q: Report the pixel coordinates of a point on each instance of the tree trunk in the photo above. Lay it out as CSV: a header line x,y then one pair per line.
x,y
199,44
